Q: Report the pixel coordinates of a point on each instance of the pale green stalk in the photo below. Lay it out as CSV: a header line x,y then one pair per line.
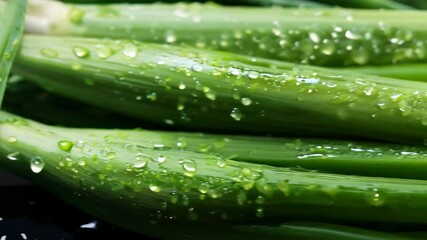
x,y
327,37
12,21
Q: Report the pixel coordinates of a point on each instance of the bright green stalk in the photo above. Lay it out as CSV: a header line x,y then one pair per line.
x,y
334,156
327,37
414,71
200,89
284,3
141,188
374,4
12,22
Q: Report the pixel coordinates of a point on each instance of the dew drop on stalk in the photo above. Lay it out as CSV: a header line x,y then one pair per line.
x,y
374,197
283,186
246,101
241,198
12,139
197,67
141,161
36,164
75,15
314,37
360,56
235,71
236,114
189,166
259,212
130,50
221,163
48,52
424,120
65,145
13,156
103,51
151,96
170,38
80,52
161,159
192,214
327,47
154,188
181,86
253,75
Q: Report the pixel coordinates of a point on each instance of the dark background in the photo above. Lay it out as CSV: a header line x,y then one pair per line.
x,y
28,212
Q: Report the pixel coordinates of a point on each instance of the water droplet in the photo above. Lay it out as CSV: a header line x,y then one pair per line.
x,y
360,56
375,198
48,52
424,120
259,212
314,37
209,93
36,164
328,47
235,71
130,50
253,75
204,188
192,214
103,51
169,122
161,159
352,35
236,114
13,156
189,167
65,145
221,162
181,86
12,139
80,52
141,161
246,101
170,38
75,15
154,188
76,66
81,162
151,96
284,188
242,198
197,68
174,198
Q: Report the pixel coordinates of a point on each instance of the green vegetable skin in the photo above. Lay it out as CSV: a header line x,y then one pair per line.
x,y
200,89
12,21
285,3
149,189
327,37
334,156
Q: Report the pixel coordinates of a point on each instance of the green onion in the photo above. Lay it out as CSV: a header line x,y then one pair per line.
x,y
326,37
11,20
334,156
218,91
143,188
